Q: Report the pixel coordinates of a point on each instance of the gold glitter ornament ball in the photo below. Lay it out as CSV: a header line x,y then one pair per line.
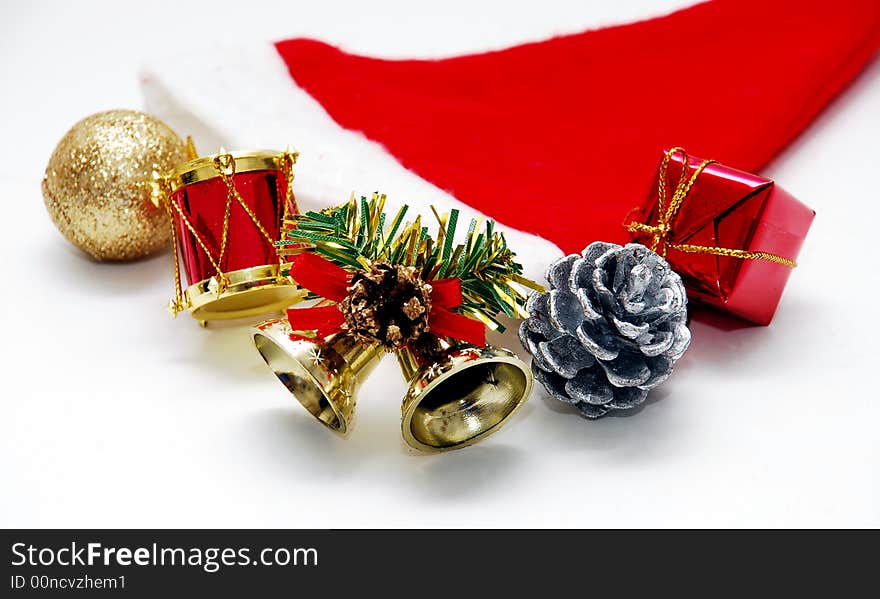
x,y
98,184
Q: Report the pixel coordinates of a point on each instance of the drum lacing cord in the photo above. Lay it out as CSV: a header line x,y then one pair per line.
x,y
224,164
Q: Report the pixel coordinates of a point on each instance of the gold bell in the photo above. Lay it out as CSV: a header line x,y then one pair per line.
x,y
323,376
459,395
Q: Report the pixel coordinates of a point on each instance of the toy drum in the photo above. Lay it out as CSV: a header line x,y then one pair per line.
x,y
226,212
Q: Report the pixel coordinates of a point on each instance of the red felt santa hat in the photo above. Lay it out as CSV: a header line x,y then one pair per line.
x,y
555,140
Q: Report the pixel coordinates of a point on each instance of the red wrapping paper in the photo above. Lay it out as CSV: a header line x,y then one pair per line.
x,y
729,208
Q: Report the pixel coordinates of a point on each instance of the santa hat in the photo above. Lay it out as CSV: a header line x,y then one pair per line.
x,y
555,140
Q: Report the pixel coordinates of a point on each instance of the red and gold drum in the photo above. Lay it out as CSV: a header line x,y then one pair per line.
x,y
227,211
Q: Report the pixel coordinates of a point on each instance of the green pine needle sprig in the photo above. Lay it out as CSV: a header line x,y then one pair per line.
x,y
358,233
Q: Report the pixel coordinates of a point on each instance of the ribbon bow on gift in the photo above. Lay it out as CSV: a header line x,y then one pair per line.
x,y
666,215
324,278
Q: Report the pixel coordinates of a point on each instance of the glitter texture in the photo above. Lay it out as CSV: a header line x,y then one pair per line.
x,y
97,185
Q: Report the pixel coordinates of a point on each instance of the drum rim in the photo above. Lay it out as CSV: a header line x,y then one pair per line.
x,y
203,169
255,278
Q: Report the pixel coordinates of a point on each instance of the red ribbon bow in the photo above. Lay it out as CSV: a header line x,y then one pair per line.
x,y
322,277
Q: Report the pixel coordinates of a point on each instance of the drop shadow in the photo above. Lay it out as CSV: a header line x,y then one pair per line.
x,y
721,341
717,320
757,348
466,472
294,442
626,436
229,351
77,270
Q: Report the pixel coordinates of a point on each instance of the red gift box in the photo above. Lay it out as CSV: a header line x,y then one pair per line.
x,y
732,236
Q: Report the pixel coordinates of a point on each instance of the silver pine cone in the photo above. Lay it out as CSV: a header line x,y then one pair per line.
x,y
610,328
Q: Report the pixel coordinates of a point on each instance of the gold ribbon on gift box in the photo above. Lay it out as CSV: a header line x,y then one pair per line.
x,y
666,213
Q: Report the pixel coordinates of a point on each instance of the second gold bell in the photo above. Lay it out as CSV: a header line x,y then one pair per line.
x,y
226,212
386,285
458,394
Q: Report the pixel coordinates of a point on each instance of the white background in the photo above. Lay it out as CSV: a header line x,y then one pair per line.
x,y
114,415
